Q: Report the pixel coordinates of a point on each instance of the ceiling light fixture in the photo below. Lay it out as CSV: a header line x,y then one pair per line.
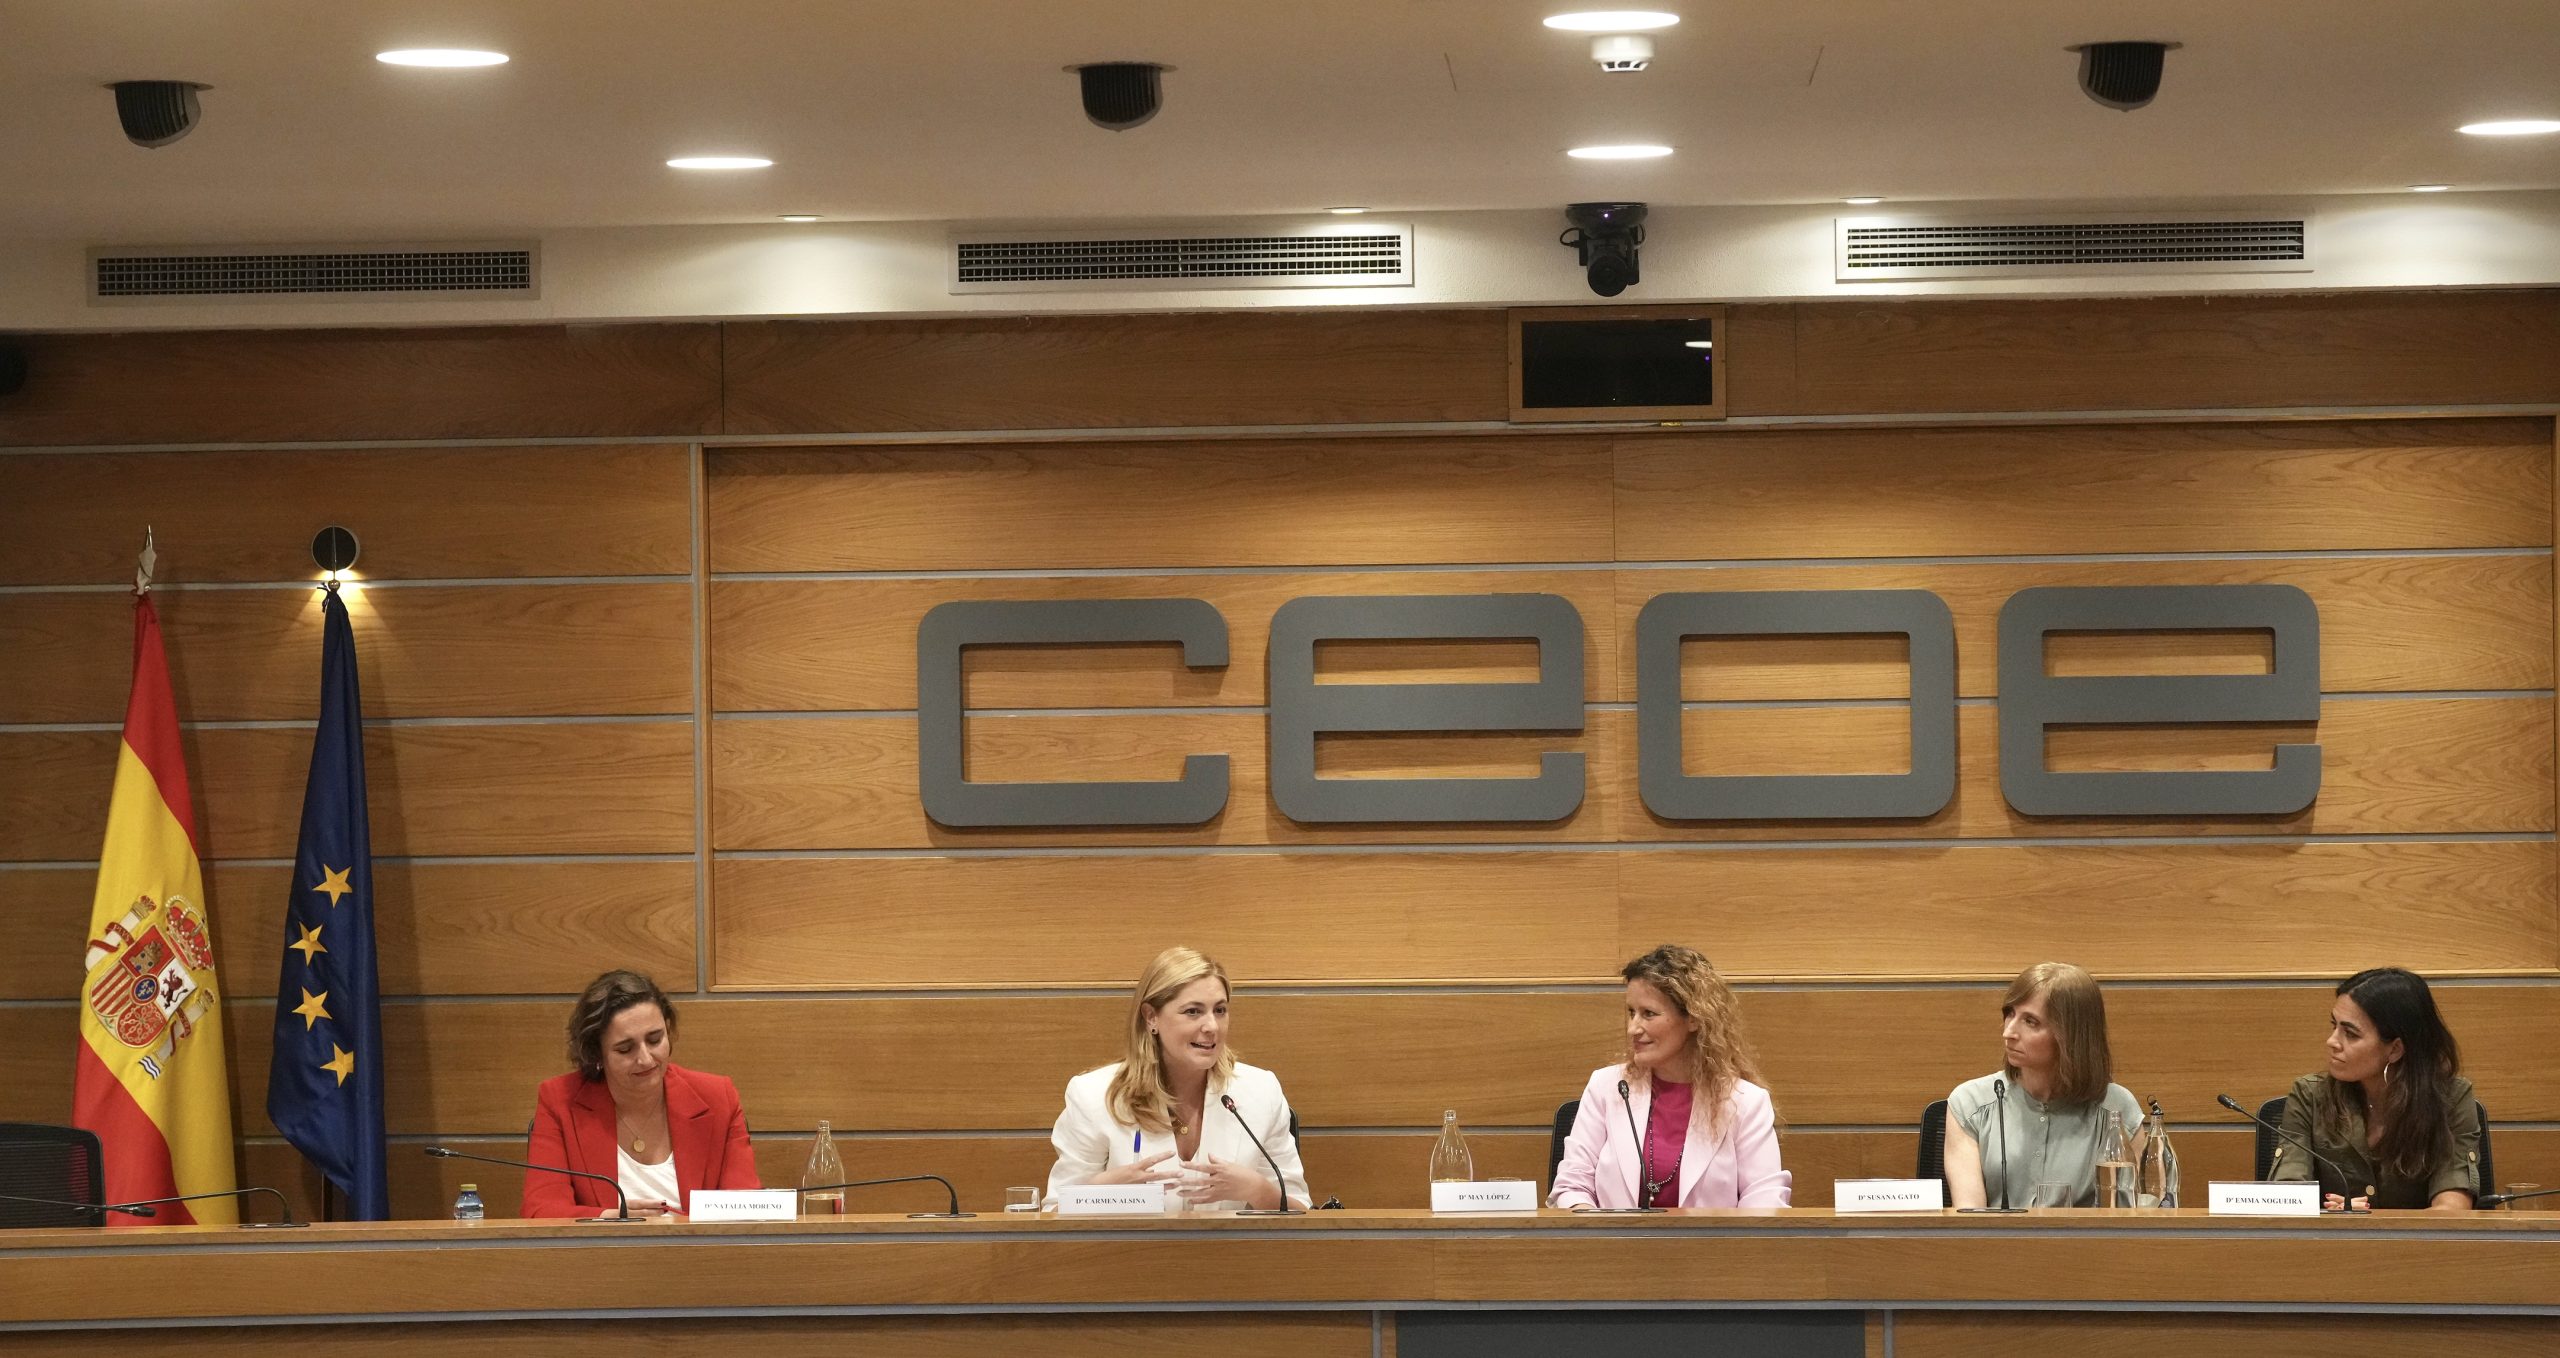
x,y
719,163
1346,211
2512,127
1863,200
1612,21
1619,152
1697,344
799,216
2429,188
440,56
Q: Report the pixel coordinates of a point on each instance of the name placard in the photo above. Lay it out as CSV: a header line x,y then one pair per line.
x,y
1888,1195
744,1204
1111,1200
1489,1195
2249,1198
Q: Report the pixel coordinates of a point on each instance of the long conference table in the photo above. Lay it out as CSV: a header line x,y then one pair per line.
x,y
1808,1281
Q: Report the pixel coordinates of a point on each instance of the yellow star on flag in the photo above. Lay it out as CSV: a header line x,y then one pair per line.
x,y
309,944
344,1064
313,1008
335,885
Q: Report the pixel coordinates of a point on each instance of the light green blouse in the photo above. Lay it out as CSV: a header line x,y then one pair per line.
x,y
2048,1143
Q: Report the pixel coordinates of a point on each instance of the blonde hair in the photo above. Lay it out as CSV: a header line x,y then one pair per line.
x,y
1140,1094
2082,1067
1719,1055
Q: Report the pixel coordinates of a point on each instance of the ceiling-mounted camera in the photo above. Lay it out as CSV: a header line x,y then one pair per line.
x,y
2122,75
155,113
1605,237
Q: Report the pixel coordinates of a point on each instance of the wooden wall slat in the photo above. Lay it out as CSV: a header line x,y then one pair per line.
x,y
249,386
2387,623
1251,502
253,654
2388,766
2391,485
1344,366
1907,355
1964,1334
1265,1334
78,518
865,923
603,787
2396,766
850,783
2188,910
812,645
440,928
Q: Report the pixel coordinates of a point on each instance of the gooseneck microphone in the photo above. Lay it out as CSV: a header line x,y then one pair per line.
x,y
2344,1178
97,1209
620,1199
1284,1209
955,1214
2000,1096
282,1205
1645,1187
2502,1199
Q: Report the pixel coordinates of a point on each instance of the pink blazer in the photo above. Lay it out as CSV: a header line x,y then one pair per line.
x,y
1738,1167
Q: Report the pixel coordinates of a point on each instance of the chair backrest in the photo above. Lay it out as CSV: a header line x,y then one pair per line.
x,y
2272,1111
38,1160
1555,1142
1933,1141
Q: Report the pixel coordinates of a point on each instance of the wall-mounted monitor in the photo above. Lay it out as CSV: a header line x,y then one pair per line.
x,y
1617,363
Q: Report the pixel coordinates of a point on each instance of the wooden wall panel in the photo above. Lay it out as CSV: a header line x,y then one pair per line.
x,y
2387,624
251,386
78,518
2147,910
868,923
254,654
850,783
1344,366
2097,488
811,645
1252,502
607,787
1906,355
440,928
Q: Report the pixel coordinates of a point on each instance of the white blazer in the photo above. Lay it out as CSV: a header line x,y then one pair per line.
x,y
1089,1140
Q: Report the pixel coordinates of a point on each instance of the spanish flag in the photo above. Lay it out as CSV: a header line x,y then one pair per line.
x,y
149,1078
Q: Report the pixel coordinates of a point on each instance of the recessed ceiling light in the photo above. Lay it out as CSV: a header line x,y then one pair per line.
x,y
2429,188
1863,200
799,216
1698,344
1618,152
440,56
719,163
2513,127
1346,211
1612,21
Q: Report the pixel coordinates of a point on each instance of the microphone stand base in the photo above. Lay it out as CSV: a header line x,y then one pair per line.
x,y
1621,1211
1271,1211
273,1225
942,1216
613,1221
1991,1211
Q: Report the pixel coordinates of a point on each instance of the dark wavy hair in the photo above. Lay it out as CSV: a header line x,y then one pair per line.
x,y
604,997
2417,1126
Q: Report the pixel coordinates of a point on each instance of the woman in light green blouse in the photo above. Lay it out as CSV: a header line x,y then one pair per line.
x,y
2034,1129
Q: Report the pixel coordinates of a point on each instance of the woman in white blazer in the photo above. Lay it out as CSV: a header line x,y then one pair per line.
x,y
1161,1113
1681,1122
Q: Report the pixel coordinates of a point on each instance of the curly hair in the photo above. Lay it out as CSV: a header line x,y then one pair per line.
x,y
604,997
1720,1056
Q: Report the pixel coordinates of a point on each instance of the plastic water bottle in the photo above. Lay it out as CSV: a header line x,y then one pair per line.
x,y
1450,1161
467,1205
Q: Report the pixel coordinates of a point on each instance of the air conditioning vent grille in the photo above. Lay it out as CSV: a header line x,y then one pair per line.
x,y
1367,258
1974,249
313,272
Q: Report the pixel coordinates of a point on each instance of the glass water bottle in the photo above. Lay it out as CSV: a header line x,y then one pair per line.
x,y
824,1168
1450,1161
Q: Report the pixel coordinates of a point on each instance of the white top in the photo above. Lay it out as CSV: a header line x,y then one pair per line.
x,y
646,1183
1089,1140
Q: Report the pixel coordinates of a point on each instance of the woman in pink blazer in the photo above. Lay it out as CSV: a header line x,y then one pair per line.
x,y
1680,1123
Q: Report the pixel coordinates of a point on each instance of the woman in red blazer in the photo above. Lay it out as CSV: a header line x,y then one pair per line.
x,y
630,1113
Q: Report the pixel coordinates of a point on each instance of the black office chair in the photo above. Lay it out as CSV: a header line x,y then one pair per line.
x,y
1555,1142
1933,1142
38,1160
2272,1112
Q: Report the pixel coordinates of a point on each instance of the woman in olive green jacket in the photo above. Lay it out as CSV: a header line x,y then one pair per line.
x,y
2393,1111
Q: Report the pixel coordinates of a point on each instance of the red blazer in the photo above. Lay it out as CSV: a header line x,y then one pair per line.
x,y
573,1126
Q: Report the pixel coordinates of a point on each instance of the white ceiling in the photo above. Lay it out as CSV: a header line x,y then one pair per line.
x,y
959,109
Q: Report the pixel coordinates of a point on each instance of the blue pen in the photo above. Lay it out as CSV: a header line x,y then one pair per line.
x,y
1136,1139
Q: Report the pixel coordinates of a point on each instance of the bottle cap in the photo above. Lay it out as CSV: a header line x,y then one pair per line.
x,y
471,1188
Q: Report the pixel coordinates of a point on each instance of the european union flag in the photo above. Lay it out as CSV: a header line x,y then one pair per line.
x,y
324,1090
